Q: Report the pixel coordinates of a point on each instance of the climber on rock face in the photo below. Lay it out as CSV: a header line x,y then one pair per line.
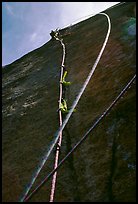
x,y
54,34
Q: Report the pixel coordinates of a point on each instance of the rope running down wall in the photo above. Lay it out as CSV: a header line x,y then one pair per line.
x,y
60,123
57,134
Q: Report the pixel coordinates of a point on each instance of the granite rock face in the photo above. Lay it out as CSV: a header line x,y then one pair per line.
x,y
103,168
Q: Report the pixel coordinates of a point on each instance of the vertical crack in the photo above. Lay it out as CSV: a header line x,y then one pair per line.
x,y
73,174
112,170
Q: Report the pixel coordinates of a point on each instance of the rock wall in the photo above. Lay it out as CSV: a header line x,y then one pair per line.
x,y
103,168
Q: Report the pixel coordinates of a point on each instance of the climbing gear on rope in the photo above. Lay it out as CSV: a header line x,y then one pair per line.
x,y
63,106
65,83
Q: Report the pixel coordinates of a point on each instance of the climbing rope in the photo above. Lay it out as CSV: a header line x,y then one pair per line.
x,y
59,142
84,137
60,123
57,134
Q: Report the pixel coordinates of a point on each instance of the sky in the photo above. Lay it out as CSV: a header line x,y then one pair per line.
x,y
26,25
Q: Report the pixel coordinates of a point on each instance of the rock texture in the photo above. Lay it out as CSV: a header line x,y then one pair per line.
x,y
103,168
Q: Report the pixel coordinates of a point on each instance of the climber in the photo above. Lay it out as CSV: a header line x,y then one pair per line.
x,y
55,34
52,34
65,83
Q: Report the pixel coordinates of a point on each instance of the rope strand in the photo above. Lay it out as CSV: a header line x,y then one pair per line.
x,y
42,163
60,123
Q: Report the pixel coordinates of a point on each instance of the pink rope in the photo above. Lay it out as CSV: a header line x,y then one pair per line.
x,y
53,186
